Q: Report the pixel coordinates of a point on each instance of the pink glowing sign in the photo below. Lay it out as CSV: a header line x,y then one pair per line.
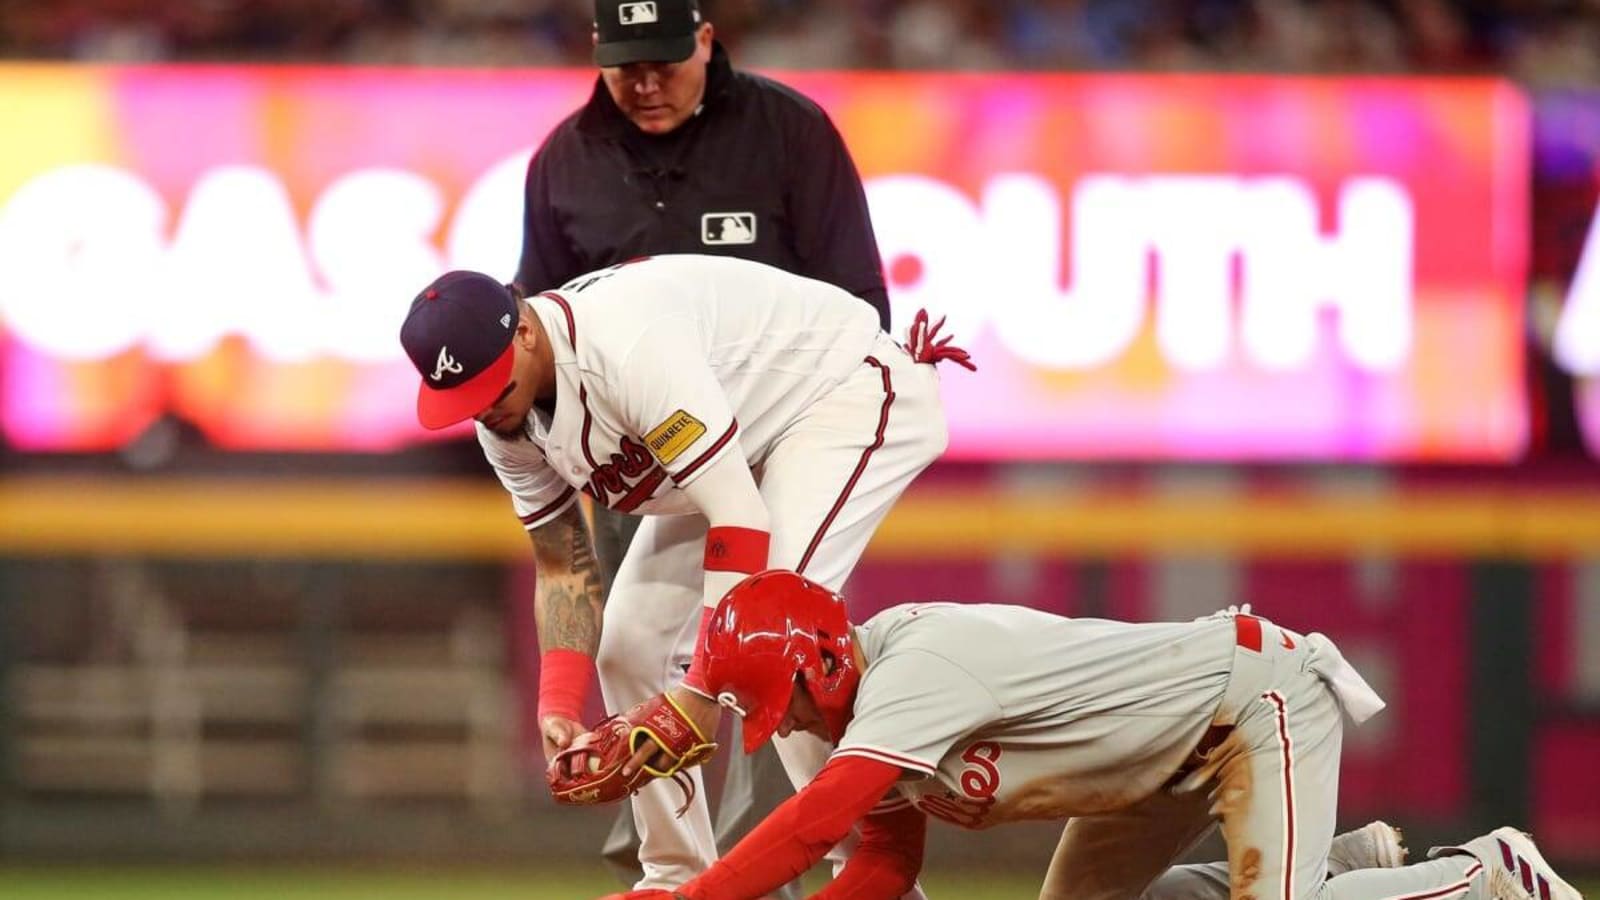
x,y
1145,267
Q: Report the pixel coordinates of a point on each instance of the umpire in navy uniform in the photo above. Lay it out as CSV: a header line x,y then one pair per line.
x,y
678,152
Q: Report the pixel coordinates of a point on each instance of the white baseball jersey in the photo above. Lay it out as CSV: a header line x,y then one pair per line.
x,y
665,364
1011,713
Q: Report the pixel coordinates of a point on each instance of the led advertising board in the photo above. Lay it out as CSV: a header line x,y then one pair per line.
x,y
1144,267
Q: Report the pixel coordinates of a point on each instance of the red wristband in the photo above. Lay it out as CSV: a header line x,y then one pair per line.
x,y
695,678
730,548
564,677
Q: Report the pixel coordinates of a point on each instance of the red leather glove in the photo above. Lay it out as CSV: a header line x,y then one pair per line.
x,y
590,771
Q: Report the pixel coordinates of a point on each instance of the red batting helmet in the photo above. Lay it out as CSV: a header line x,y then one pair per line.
x,y
771,627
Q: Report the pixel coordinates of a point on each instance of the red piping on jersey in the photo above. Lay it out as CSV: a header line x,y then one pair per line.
x,y
640,492
583,398
1457,888
572,326
548,508
688,470
583,393
866,456
893,759
1287,745
898,803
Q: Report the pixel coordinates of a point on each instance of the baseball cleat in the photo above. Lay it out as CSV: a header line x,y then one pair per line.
x,y
1375,845
1514,869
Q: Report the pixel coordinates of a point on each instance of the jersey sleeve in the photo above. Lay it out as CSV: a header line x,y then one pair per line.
x,y
912,707
670,395
537,493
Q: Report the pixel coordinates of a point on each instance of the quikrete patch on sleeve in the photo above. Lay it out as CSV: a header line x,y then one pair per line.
x,y
672,437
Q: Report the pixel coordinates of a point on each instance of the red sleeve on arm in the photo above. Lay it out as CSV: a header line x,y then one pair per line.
x,y
886,862
732,553
798,833
695,678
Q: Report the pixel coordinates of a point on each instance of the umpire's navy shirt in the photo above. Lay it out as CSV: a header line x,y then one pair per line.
x,y
758,172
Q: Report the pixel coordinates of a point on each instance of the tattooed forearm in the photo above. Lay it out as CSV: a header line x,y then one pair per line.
x,y
583,560
568,599
566,619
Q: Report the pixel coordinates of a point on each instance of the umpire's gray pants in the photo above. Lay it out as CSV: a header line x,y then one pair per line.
x,y
754,783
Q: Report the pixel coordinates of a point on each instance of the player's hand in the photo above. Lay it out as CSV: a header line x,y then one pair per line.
x,y
572,764
657,737
558,732
706,715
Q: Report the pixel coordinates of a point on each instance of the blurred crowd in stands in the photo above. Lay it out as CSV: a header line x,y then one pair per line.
x,y
1542,42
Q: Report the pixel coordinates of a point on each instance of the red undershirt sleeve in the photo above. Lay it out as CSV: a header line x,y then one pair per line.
x,y
886,862
799,832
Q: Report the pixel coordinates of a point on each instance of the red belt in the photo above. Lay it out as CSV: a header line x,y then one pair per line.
x,y
1247,631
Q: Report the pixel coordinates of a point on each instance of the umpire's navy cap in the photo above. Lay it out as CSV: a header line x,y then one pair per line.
x,y
632,31
458,335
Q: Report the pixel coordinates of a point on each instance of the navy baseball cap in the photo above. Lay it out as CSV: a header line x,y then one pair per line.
x,y
458,335
631,31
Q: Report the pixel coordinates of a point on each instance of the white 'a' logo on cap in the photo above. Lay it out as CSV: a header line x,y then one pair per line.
x,y
637,13
446,363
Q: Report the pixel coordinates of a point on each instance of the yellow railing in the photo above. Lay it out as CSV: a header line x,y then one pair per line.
x,y
442,519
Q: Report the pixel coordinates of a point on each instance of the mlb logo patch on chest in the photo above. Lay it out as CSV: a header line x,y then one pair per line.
x,y
722,228
672,437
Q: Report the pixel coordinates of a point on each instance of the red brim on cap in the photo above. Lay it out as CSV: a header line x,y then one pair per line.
x,y
442,408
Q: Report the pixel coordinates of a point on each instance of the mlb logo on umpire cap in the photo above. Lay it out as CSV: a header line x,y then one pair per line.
x,y
458,336
637,13
635,31
724,228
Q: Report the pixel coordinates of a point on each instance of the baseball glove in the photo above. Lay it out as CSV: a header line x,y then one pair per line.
x,y
598,777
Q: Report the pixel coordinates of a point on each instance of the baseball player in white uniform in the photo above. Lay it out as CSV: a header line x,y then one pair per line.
x,y
754,417
1142,737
